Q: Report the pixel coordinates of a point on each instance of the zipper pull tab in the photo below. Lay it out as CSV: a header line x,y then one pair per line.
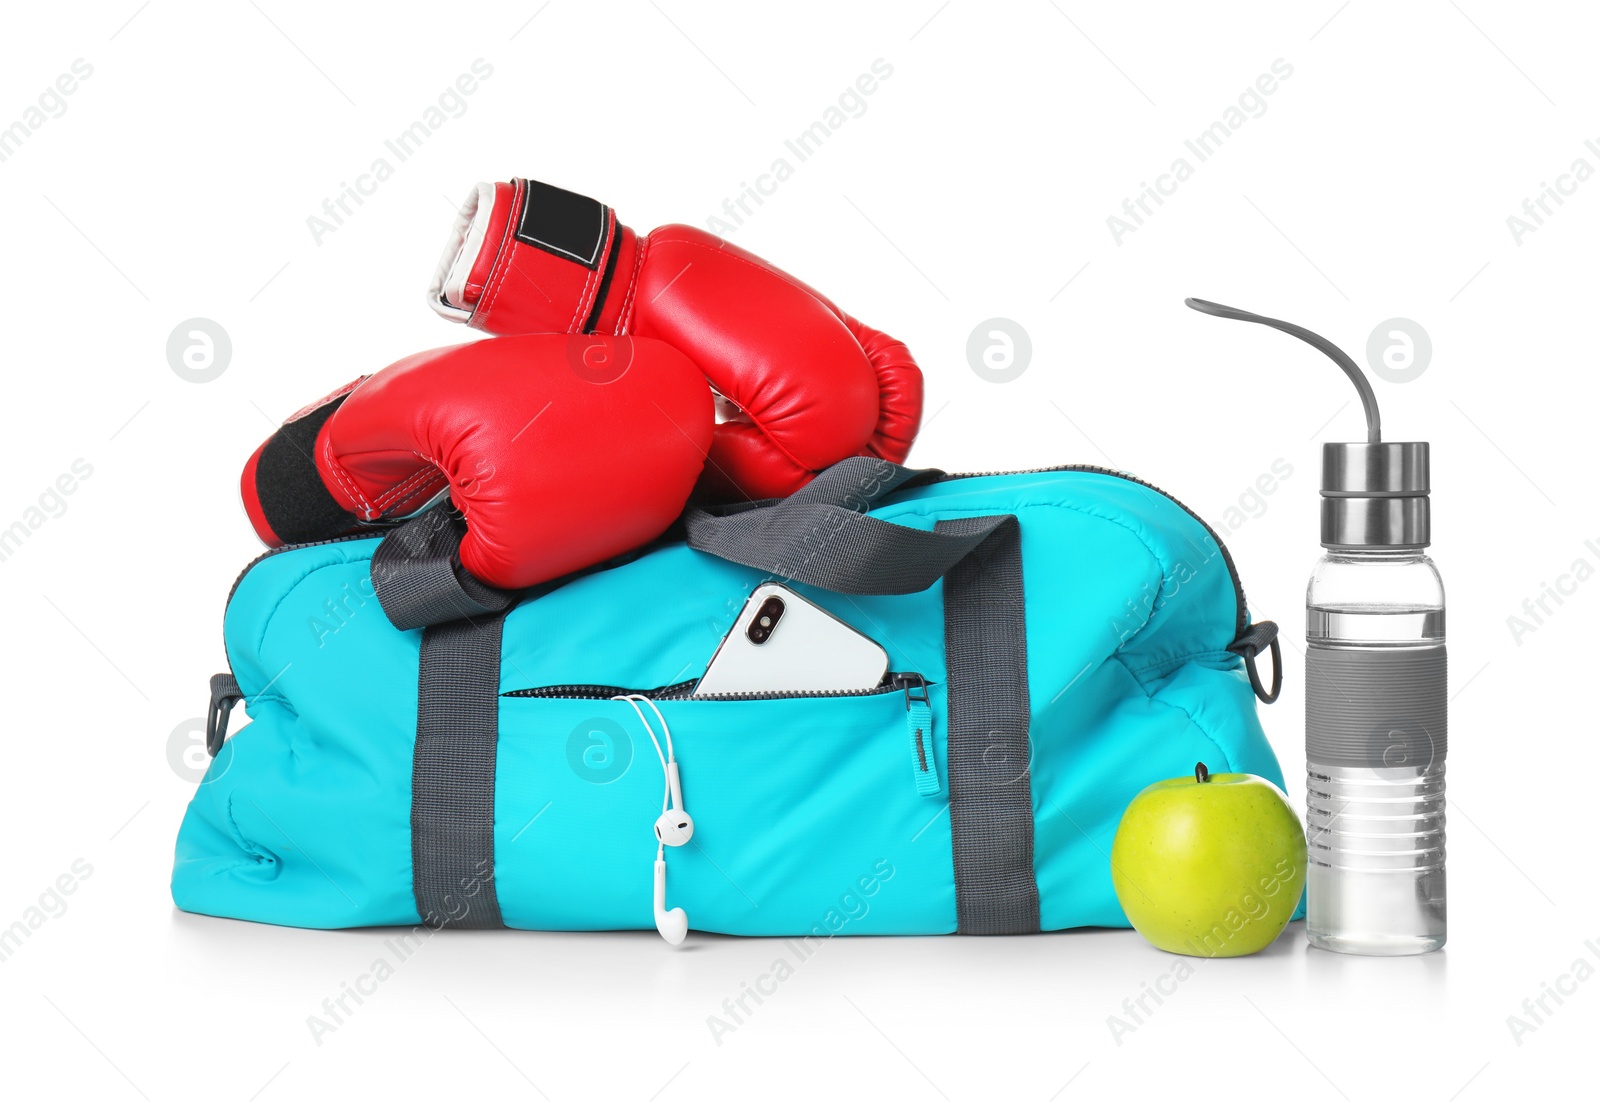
x,y
919,723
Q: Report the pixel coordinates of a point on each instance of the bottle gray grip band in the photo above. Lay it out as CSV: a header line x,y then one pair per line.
x,y
1376,708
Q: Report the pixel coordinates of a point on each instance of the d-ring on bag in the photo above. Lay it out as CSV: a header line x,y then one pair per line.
x,y
1058,640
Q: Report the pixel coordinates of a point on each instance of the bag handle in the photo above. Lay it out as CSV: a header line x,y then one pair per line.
x,y
419,579
821,534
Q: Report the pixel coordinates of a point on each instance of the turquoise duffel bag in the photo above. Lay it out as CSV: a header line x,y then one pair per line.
x,y
1057,639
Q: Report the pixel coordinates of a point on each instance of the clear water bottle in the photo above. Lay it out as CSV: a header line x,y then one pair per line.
x,y
1376,731
1375,692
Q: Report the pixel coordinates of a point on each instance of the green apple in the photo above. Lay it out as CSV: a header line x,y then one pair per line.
x,y
1210,865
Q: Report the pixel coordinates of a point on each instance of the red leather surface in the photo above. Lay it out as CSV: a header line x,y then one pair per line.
x,y
494,237
767,344
813,385
252,503
561,451
899,392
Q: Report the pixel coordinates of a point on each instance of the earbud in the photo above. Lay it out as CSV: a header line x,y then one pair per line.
x,y
674,924
674,827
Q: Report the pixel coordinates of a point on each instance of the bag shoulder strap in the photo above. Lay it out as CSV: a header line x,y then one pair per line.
x,y
821,535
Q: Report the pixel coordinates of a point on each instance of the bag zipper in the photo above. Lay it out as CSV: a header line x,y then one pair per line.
x,y
919,724
682,691
1241,613
270,552
1241,617
589,692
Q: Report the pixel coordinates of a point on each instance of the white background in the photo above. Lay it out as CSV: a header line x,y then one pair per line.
x,y
976,184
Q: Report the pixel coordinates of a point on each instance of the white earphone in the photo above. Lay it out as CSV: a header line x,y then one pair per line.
x,y
673,827
674,924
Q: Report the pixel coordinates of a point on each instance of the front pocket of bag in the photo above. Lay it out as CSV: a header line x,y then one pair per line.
x,y
814,815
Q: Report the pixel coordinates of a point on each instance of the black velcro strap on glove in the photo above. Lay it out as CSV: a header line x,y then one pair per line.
x,y
563,223
292,496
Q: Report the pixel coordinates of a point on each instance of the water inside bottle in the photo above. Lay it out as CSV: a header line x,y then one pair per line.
x,y
1375,837
1374,624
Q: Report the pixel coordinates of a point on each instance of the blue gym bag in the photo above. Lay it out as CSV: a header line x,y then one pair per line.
x,y
423,749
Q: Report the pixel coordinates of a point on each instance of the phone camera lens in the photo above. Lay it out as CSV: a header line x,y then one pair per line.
x,y
766,620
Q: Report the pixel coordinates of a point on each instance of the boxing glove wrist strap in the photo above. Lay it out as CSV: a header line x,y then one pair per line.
x,y
580,246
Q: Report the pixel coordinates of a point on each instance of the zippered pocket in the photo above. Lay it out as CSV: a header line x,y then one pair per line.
x,y
817,811
682,691
918,706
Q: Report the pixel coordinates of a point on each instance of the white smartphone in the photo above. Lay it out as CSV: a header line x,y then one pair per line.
x,y
782,643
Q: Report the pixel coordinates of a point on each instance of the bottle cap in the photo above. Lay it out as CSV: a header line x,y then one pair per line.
x,y
1375,495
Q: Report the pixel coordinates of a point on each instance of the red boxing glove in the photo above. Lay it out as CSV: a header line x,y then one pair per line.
x,y
809,385
561,451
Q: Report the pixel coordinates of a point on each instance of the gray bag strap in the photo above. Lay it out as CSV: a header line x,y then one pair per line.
x,y
987,749
419,579
453,774
820,535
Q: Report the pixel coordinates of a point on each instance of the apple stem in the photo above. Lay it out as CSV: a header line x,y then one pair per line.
x,y
1201,773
